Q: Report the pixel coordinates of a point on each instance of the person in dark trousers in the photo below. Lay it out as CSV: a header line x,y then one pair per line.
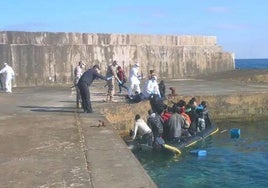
x,y
162,88
84,83
1,84
122,77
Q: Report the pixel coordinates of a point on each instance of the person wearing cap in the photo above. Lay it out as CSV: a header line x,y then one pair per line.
x,y
78,71
134,79
8,75
111,73
84,83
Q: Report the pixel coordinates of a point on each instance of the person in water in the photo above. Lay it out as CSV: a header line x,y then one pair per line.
x,y
155,122
143,130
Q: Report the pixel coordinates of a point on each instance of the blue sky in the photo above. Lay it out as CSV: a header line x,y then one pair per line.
x,y
241,26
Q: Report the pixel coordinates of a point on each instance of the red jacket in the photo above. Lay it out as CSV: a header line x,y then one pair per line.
x,y
120,74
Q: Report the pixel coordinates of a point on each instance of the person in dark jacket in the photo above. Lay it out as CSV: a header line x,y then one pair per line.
x,y
155,122
122,77
162,88
191,111
84,83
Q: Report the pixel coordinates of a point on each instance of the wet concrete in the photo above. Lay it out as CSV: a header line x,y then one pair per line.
x,y
46,142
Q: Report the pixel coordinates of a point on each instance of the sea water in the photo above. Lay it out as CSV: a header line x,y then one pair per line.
x,y
230,162
251,63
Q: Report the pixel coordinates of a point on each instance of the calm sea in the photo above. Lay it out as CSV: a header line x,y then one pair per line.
x,y
230,162
251,63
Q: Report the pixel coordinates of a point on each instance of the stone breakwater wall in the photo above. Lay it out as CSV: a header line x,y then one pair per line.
x,y
235,107
42,58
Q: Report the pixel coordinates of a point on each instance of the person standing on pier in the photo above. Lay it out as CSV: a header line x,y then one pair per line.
x,y
84,83
8,74
134,79
78,71
111,73
122,77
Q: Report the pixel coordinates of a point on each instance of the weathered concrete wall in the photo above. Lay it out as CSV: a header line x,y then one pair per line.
x,y
38,56
240,107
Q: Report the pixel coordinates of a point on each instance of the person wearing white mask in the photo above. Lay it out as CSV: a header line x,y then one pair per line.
x,y
8,74
134,79
151,88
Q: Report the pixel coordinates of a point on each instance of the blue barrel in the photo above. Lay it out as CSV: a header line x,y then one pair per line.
x,y
199,153
235,133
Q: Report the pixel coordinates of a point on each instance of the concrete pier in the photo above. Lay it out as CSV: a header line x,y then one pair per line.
x,y
46,142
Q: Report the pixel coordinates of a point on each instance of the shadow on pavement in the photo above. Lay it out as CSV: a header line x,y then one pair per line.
x,y
51,109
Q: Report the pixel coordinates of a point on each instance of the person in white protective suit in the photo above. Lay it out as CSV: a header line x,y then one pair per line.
x,y
8,74
151,88
134,79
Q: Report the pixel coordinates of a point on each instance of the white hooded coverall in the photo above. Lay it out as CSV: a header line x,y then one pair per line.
x,y
8,73
134,80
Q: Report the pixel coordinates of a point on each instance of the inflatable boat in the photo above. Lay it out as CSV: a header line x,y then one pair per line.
x,y
184,142
210,129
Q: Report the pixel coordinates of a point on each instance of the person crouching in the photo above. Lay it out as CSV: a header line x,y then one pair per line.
x,y
142,130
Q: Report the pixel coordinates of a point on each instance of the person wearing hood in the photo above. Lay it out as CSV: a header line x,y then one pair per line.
x,y
134,79
8,74
151,88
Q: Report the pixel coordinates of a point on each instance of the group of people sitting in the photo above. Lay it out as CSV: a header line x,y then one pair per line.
x,y
170,124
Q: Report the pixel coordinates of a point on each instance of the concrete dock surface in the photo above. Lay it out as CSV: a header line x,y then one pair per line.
x,y
45,141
